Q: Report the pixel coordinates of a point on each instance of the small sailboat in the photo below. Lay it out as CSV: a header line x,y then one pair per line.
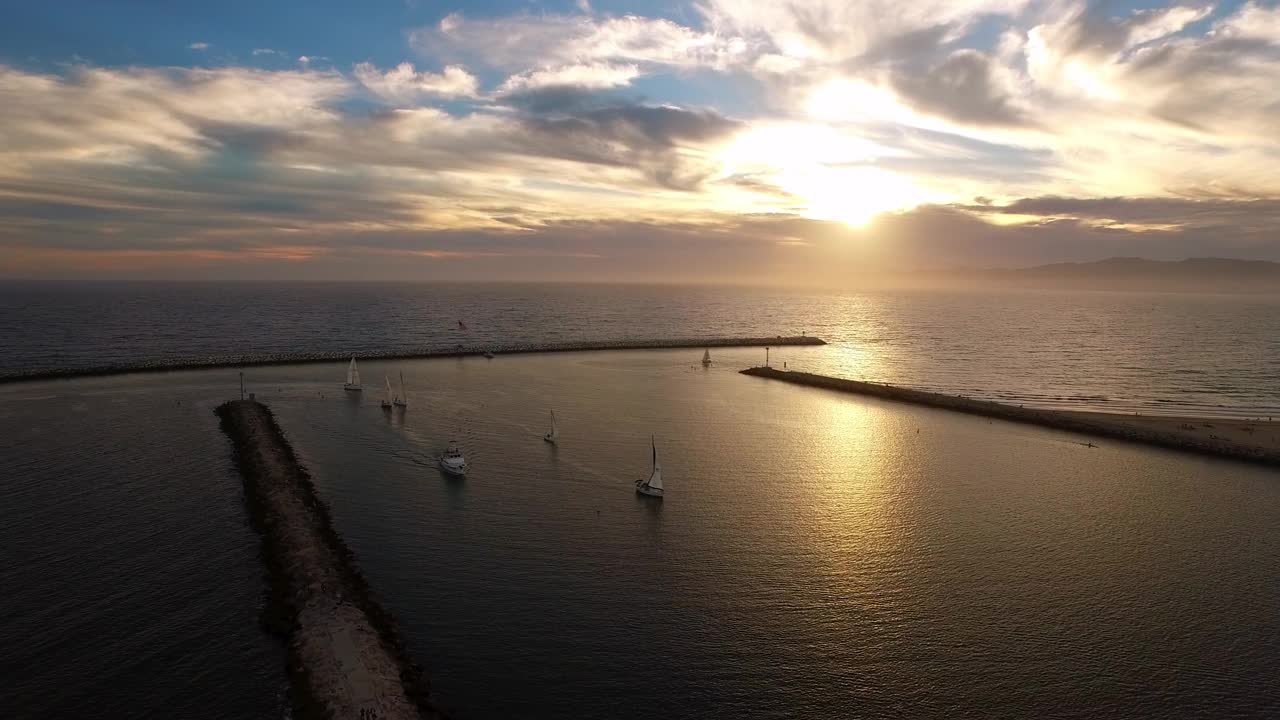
x,y
452,461
386,397
706,358
653,486
353,377
488,354
554,435
401,400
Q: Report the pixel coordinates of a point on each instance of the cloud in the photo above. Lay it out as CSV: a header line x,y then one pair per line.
x,y
198,46
964,87
594,76
403,84
555,40
266,51
1236,216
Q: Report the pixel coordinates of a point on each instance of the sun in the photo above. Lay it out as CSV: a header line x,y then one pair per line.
x,y
823,173
851,195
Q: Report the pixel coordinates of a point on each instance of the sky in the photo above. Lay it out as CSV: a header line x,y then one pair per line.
x,y
707,141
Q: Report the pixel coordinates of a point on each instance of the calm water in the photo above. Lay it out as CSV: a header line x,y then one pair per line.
x,y
1119,352
817,556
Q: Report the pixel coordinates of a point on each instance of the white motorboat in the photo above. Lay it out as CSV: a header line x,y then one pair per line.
x,y
401,400
554,435
386,397
452,460
652,487
353,377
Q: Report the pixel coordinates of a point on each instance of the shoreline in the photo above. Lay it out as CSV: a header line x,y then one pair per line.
x,y
1254,441
424,353
346,658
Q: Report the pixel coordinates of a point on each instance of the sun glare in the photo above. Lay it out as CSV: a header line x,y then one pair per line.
x,y
828,173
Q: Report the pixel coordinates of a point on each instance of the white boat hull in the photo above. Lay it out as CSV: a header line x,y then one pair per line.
x,y
549,438
452,469
352,388
649,491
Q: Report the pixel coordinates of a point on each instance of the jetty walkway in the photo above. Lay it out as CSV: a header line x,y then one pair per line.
x,y
437,350
345,656
1240,442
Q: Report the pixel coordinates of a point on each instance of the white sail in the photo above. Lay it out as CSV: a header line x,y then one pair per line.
x,y
353,373
387,398
706,357
555,431
402,399
655,478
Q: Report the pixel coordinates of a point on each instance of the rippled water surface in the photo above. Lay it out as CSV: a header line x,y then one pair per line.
x,y
817,555
1117,352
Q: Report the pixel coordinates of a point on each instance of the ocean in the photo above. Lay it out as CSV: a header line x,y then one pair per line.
x,y
1195,354
817,555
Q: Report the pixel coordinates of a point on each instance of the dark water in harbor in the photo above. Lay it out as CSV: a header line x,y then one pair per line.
x,y
816,556
1173,354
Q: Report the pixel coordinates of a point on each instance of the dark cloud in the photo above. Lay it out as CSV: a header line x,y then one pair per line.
x,y
1239,214
961,88
640,136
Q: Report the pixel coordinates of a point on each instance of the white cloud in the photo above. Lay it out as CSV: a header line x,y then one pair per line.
x,y
594,76
198,46
266,51
1253,21
404,84
548,40
837,30
120,116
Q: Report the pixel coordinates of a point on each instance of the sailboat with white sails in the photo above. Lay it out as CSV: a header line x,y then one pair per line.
x,y
353,377
706,358
554,435
401,400
653,486
386,397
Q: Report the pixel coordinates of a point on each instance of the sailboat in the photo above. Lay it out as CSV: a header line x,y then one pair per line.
x,y
554,435
706,358
386,398
353,377
452,461
653,486
401,400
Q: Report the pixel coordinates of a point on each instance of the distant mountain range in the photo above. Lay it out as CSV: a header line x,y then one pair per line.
x,y
1127,273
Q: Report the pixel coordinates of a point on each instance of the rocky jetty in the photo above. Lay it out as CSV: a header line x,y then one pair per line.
x,y
1187,434
430,351
345,656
